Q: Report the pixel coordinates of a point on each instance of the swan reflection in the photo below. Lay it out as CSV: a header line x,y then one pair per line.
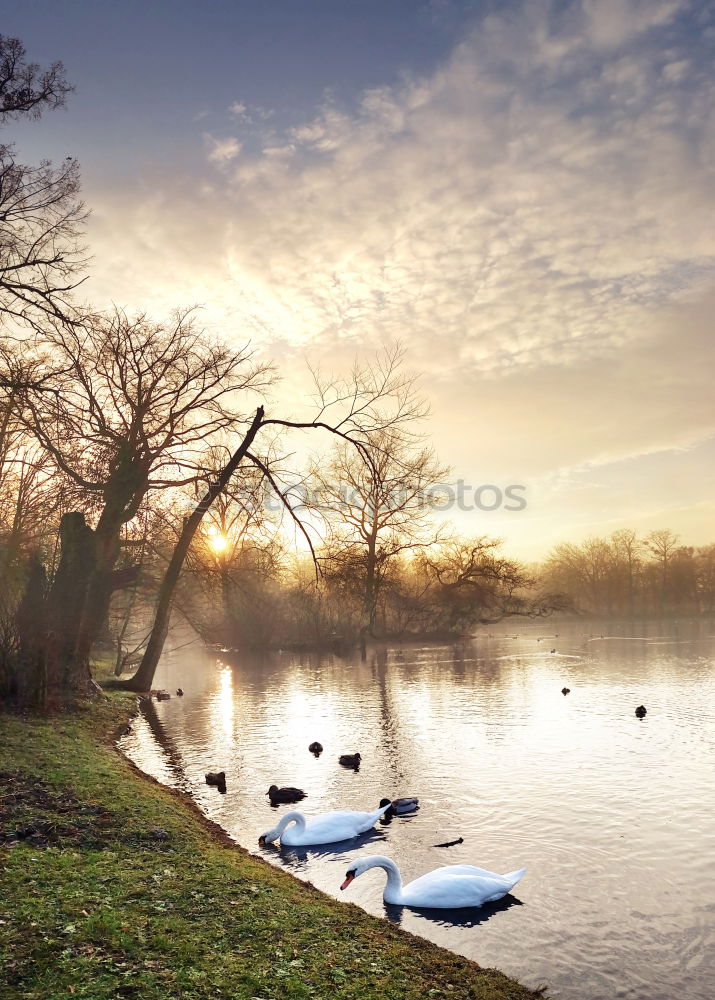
x,y
298,858
465,917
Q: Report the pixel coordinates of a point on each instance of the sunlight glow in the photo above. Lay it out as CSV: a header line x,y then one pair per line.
x,y
223,704
218,542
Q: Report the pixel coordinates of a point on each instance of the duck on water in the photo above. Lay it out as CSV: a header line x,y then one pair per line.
x,y
285,794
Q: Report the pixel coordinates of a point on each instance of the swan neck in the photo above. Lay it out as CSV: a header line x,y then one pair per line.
x,y
393,889
291,817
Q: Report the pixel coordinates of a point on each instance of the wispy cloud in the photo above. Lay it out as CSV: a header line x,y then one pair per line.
x,y
222,151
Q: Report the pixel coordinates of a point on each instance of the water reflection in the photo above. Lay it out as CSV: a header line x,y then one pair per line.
x,y
297,858
465,917
612,816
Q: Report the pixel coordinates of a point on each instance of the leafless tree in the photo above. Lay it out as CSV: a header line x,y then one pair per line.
x,y
627,552
125,408
31,495
377,504
663,544
41,218
375,399
26,88
705,569
627,575
472,582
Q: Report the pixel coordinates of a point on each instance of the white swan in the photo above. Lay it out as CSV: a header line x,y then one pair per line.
x,y
323,829
450,887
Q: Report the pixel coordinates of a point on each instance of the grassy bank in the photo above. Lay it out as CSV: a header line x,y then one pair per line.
x,y
112,886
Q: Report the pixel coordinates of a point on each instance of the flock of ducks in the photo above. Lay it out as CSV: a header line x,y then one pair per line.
x,y
449,887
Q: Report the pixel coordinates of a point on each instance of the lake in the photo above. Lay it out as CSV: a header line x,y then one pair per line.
x,y
613,816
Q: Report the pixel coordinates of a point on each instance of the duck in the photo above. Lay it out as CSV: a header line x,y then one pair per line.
x,y
285,794
180,692
641,711
217,780
565,691
400,806
316,748
450,887
350,760
295,830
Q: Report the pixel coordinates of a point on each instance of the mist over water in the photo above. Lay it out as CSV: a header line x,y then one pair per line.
x,y
613,816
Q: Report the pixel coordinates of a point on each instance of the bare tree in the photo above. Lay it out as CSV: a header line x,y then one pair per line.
x,y
377,505
126,409
375,399
41,218
31,497
586,572
471,582
627,550
26,88
663,544
705,568
627,575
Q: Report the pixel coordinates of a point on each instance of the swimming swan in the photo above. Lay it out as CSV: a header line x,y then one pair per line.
x,y
326,828
450,887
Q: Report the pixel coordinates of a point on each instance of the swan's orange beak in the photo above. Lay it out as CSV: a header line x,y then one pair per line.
x,y
348,880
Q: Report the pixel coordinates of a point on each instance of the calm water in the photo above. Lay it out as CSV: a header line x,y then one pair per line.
x,y
614,817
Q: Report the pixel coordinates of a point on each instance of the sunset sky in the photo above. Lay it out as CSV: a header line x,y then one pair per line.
x,y
522,194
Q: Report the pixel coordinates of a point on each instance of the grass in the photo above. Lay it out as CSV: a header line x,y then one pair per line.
x,y
113,886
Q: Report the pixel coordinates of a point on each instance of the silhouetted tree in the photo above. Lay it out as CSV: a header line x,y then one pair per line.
x,y
470,583
126,409
377,505
41,254
374,399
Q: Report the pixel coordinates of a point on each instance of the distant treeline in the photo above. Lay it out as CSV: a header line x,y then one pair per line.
x,y
625,575
449,588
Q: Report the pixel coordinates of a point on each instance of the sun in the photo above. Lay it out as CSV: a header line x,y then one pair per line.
x,y
217,541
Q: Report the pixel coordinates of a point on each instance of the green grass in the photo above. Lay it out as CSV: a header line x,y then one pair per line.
x,y
113,886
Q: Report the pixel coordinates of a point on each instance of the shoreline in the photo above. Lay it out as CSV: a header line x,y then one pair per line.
x,y
119,885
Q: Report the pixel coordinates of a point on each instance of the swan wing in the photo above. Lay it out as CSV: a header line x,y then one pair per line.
x,y
456,886
327,828
458,870
362,821
511,878
330,827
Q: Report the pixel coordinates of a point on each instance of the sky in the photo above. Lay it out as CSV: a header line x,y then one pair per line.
x,y
522,194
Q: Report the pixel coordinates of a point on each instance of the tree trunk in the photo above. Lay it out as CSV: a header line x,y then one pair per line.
x,y
29,682
67,652
144,677
371,589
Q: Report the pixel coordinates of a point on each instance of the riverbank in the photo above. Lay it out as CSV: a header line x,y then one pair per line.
x,y
114,886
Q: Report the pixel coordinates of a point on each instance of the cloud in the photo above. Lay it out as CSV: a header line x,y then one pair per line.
x,y
610,23
535,220
222,151
238,108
